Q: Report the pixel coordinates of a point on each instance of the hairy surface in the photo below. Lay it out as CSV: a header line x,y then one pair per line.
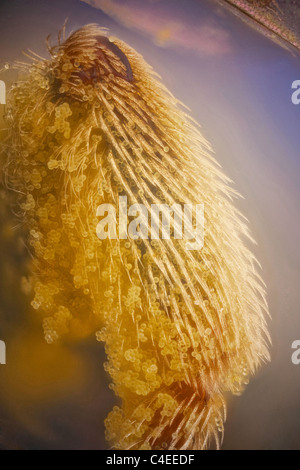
x,y
180,327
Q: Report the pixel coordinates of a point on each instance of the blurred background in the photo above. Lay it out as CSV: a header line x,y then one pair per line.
x,y
237,83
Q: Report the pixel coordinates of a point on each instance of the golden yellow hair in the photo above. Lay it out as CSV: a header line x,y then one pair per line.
x,y
180,327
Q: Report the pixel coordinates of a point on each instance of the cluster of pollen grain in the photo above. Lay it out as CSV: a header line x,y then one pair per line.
x,y
180,327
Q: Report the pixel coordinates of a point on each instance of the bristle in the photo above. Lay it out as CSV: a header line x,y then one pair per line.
x,y
180,327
